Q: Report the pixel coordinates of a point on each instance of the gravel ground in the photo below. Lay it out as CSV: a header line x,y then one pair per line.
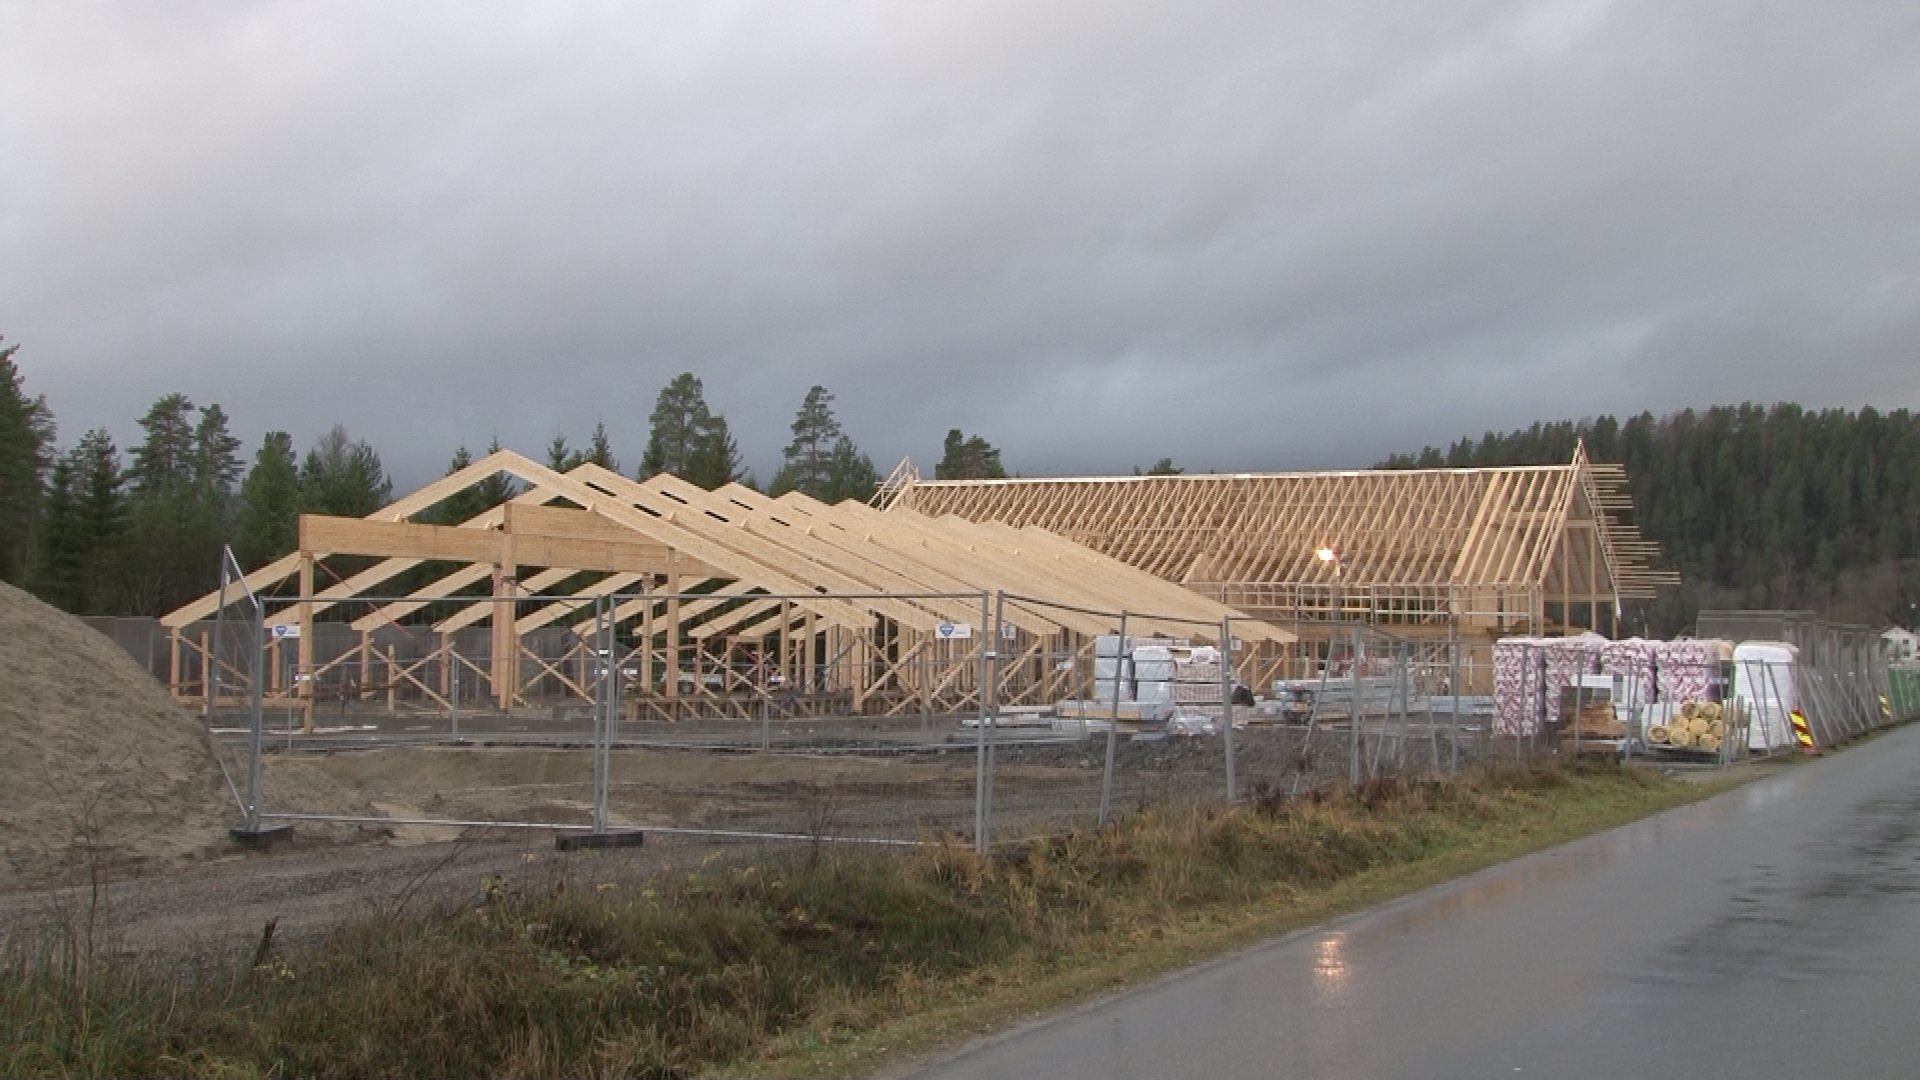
x,y
327,874
224,903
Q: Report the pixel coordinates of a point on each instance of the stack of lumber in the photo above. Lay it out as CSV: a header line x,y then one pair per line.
x,y
1598,720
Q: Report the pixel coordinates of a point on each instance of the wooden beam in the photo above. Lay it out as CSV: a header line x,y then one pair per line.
x,y
673,626
323,535
506,638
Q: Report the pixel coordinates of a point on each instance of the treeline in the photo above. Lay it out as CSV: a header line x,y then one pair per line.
x,y
1780,507
95,531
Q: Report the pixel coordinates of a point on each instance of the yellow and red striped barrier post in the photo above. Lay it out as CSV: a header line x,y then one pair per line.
x,y
1802,733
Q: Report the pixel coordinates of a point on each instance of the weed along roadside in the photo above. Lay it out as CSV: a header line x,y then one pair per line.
x,y
812,963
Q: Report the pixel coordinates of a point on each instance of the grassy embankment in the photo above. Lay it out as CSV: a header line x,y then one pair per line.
x,y
795,966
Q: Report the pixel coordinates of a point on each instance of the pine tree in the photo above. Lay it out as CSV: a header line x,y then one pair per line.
x,y
59,575
180,505
815,431
85,533
678,429
970,458
559,457
497,487
163,462
26,454
216,454
850,474
716,458
269,516
600,449
462,505
343,477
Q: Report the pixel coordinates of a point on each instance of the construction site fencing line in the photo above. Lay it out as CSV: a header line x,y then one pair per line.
x,y
773,717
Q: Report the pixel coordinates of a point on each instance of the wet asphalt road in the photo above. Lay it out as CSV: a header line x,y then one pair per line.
x,y
1771,932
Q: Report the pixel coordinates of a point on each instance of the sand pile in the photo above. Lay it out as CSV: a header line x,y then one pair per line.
x,y
94,751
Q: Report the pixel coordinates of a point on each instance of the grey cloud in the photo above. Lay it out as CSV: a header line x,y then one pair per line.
x,y
1246,236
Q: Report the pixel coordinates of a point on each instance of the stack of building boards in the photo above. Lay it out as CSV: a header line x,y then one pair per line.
x,y
1132,679
1196,681
1153,670
1113,668
1153,679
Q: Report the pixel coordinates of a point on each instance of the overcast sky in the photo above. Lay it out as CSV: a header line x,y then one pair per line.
x,y
1251,236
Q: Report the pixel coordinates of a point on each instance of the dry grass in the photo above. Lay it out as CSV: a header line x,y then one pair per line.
x,y
812,964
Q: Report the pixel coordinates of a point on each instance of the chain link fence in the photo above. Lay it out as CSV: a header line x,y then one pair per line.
x,y
907,718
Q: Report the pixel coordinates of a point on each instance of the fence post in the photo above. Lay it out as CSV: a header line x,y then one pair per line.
x,y
1403,683
210,685
766,716
256,709
603,712
981,839
1226,699
1353,714
1453,683
990,693
1113,721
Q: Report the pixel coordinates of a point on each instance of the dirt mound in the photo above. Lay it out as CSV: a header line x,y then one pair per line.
x,y
97,757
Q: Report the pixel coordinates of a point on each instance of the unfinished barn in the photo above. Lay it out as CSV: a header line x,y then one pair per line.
x,y
1435,555
708,603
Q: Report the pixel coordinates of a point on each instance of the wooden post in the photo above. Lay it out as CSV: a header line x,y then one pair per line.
x,y
506,638
209,675
305,652
390,679
673,624
861,669
1593,576
173,663
926,674
786,644
366,664
810,655
446,664
646,637
273,665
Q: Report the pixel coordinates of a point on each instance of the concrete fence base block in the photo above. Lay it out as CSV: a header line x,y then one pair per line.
x,y
618,838
263,837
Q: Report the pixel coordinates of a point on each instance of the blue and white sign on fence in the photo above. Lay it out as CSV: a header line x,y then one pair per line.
x,y
952,631
286,630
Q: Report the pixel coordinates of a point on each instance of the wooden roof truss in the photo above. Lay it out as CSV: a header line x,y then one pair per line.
x,y
697,567
1439,545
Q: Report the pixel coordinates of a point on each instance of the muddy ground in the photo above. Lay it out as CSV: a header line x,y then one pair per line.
x,y
331,872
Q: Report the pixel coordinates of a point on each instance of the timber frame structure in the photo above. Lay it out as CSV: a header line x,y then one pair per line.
x,y
1460,554
689,577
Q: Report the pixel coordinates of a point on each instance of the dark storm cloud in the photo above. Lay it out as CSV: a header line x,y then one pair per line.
x,y
1248,236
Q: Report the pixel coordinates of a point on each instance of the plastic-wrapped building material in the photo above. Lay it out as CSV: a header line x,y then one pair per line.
x,y
1112,645
1154,670
1153,690
1192,723
1687,669
1198,693
1766,684
1530,672
1112,667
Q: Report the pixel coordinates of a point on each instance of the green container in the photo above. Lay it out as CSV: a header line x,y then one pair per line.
x,y
1906,693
